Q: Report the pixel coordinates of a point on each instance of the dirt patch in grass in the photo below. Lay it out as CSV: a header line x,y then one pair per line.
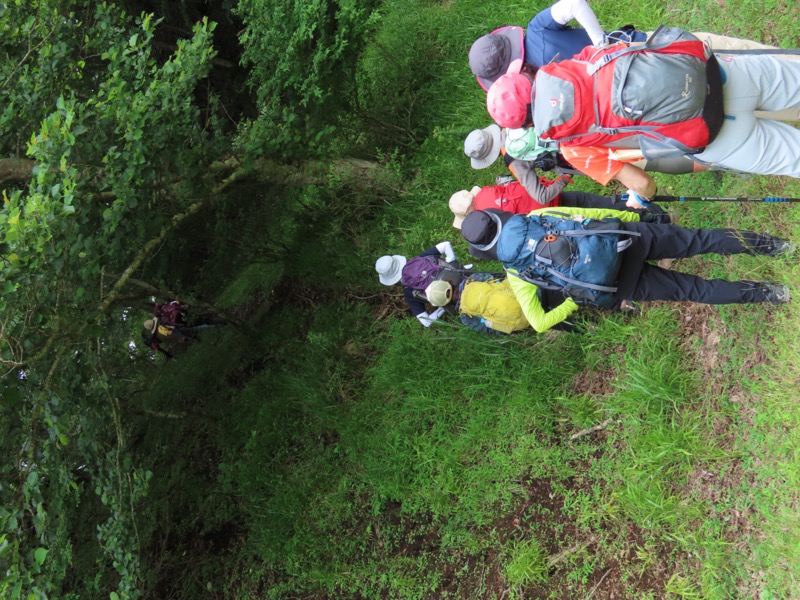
x,y
610,561
596,382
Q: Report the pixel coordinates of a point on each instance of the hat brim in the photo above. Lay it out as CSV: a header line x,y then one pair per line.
x,y
516,38
482,163
493,243
394,278
458,221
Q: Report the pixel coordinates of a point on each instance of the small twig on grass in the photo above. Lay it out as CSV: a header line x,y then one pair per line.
x,y
600,427
554,560
597,585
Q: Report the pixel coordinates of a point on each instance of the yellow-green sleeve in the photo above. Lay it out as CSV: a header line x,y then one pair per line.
x,y
528,298
588,213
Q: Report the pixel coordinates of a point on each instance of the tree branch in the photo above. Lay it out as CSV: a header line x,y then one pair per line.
x,y
154,243
600,427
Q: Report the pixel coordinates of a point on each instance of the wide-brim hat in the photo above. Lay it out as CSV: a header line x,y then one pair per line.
x,y
390,268
482,229
462,203
151,325
483,146
439,292
491,55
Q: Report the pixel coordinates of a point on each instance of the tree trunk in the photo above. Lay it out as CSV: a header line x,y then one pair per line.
x,y
353,173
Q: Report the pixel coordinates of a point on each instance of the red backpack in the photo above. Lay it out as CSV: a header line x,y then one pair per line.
x,y
667,91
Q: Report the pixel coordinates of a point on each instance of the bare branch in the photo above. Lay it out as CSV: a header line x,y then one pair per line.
x,y
154,243
600,427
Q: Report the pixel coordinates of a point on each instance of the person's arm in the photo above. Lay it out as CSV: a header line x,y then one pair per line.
x,y
589,213
528,298
564,11
446,249
427,319
527,176
638,181
417,308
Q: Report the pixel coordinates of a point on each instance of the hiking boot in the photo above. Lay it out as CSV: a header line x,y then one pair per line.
x,y
778,246
776,293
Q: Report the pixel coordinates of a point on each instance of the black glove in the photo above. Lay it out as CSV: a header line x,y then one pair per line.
x,y
456,264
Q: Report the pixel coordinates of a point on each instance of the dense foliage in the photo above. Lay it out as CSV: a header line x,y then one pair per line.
x,y
254,158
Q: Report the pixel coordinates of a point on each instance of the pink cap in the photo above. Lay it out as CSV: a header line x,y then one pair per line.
x,y
508,100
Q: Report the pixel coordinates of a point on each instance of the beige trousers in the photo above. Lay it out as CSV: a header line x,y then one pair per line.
x,y
720,43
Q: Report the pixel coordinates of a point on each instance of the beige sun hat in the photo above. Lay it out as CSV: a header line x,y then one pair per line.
x,y
462,203
439,293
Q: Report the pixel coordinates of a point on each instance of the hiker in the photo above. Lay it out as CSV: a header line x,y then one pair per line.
x,y
523,155
512,197
634,215
173,324
156,332
509,104
484,146
483,302
415,275
176,313
551,250
548,39
718,129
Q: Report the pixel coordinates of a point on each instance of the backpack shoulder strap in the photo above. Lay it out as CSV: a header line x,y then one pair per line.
x,y
661,38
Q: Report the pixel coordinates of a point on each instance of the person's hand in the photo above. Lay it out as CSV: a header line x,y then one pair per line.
x,y
566,178
456,264
634,200
428,319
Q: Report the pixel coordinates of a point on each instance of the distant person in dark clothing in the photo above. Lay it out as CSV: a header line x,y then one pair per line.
x,y
172,324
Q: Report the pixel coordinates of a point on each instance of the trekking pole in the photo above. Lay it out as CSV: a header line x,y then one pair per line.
x,y
769,200
468,272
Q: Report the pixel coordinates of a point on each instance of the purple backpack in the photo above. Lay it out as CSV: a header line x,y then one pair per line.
x,y
420,271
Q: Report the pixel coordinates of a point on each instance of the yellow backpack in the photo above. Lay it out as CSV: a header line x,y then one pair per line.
x,y
493,301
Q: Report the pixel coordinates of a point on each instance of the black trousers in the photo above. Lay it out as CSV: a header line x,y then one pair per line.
x,y
639,280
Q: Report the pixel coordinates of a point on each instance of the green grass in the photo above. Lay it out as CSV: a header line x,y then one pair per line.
x,y
360,455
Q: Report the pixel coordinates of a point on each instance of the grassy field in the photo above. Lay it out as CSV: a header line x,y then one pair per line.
x,y
348,453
